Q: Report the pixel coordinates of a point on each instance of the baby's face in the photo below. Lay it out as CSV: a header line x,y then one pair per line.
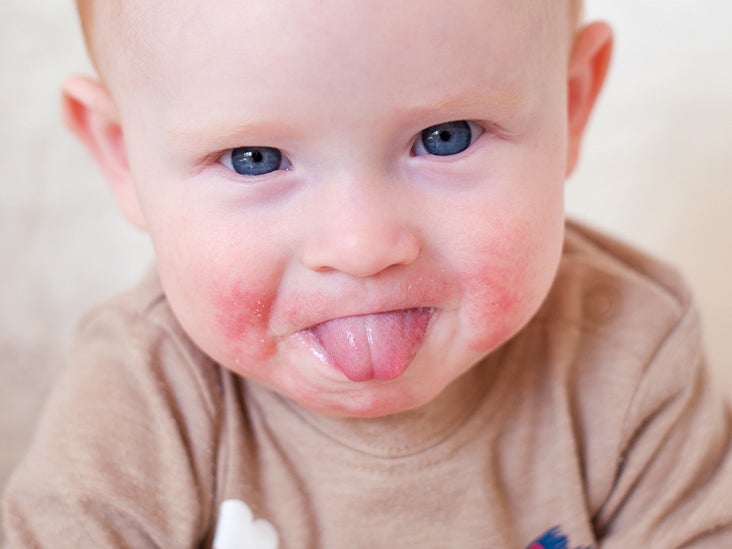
x,y
352,202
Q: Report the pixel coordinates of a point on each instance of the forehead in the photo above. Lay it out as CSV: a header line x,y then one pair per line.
x,y
237,49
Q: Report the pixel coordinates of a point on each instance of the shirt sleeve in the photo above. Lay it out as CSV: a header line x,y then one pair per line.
x,y
123,455
674,482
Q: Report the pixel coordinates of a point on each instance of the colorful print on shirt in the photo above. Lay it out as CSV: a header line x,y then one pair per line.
x,y
238,529
553,539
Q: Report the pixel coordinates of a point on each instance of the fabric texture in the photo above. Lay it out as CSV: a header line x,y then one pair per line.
x,y
596,425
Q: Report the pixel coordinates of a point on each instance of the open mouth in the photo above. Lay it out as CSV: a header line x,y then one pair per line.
x,y
377,346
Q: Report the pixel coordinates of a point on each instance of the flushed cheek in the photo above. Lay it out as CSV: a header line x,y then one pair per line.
x,y
504,288
493,302
242,320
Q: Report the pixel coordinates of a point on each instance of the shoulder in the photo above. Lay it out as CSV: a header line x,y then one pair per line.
x,y
608,289
616,342
616,315
622,321
592,252
135,336
137,406
618,336
652,430
140,316
615,319
131,366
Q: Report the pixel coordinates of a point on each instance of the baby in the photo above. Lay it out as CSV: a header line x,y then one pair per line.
x,y
369,324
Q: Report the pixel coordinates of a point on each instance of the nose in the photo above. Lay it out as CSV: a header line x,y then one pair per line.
x,y
361,232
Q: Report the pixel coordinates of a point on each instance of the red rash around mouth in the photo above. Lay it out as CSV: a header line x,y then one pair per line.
x,y
243,318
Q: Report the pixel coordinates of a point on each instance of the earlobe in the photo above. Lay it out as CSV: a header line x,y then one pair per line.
x,y
588,65
90,113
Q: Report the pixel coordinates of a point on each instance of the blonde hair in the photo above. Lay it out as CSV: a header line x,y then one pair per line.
x,y
576,8
87,16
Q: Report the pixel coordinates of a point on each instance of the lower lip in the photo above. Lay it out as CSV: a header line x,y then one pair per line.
x,y
376,347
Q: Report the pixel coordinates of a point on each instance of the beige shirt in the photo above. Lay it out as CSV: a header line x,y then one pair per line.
x,y
595,426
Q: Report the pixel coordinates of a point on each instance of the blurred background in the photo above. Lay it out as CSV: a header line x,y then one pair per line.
x,y
656,171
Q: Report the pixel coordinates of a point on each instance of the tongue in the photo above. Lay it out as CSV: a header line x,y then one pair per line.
x,y
378,346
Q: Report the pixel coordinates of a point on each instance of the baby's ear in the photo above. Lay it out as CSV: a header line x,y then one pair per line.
x,y
588,66
91,114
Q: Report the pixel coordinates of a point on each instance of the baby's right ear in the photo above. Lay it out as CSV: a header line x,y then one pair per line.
x,y
91,114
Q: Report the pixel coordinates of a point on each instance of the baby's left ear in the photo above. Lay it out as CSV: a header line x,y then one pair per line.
x,y
588,66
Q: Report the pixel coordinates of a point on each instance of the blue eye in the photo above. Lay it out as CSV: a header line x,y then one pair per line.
x,y
253,161
447,139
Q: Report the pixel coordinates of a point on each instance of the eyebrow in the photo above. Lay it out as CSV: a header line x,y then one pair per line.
x,y
224,133
463,104
468,102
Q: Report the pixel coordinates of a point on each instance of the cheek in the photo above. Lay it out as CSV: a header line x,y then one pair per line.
x,y
222,299
242,319
507,283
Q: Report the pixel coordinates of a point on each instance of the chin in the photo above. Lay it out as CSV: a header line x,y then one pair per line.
x,y
373,399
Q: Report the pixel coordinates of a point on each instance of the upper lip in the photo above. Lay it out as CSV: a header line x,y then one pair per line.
x,y
300,312
367,314
308,321
306,313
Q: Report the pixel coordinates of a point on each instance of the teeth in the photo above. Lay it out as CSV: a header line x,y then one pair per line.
x,y
376,346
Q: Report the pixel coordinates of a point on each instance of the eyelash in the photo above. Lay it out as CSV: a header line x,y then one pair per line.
x,y
435,140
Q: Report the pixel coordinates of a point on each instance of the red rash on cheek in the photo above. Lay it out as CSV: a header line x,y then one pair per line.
x,y
242,318
498,287
492,308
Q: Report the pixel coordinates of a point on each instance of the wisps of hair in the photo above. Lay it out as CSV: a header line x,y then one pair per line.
x,y
577,10
85,9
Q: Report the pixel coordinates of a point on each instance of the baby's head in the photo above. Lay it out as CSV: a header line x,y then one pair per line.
x,y
350,202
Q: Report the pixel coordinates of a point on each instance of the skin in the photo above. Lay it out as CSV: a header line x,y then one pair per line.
x,y
359,224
